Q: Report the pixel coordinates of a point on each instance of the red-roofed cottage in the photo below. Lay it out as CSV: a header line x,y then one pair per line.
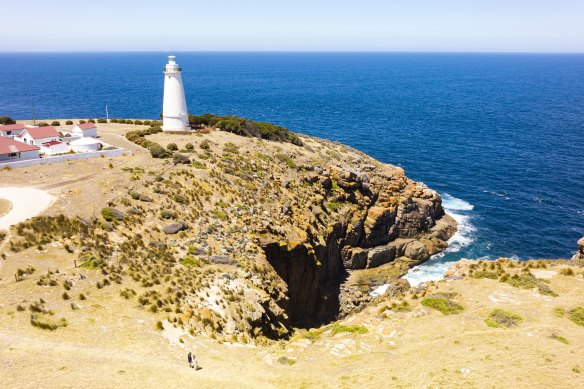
x,y
85,130
11,130
12,150
38,135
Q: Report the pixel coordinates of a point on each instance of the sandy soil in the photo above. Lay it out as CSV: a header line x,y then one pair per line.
x,y
5,207
26,203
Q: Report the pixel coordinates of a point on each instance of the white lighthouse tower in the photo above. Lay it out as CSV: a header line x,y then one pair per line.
x,y
174,108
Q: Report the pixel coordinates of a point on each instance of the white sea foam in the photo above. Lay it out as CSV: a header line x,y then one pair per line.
x,y
435,268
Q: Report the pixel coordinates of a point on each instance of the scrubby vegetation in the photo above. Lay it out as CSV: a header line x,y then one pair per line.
x,y
245,127
442,303
501,318
6,120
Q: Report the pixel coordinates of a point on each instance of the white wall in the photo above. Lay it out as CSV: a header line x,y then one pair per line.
x,y
66,157
92,132
23,155
26,138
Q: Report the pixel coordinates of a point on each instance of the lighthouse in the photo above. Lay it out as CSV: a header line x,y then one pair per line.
x,y
174,107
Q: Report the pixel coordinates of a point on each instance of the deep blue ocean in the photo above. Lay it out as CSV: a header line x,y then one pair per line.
x,y
500,136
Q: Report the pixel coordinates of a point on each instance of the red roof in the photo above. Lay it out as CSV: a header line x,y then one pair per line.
x,y
52,143
8,146
86,126
12,127
41,132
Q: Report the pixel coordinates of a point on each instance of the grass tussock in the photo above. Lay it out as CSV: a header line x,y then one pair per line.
x,y
501,318
337,328
443,304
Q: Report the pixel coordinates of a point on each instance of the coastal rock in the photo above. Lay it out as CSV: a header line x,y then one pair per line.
x,y
580,254
173,228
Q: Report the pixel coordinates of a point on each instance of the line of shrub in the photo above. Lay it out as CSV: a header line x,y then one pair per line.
x,y
245,127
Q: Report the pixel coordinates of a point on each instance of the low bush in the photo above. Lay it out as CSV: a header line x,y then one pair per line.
x,y
6,120
485,274
205,145
178,158
55,123
46,321
442,304
501,318
111,214
43,124
190,262
91,121
82,121
102,120
577,315
189,146
69,122
337,328
158,151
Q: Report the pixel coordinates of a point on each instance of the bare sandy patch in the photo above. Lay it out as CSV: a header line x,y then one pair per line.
x,y
25,203
5,207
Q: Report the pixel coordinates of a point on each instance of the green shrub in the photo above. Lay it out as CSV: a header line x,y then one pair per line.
x,y
524,281
180,199
230,148
158,151
337,328
205,145
198,165
567,271
138,122
43,124
91,121
81,121
190,262
178,158
189,146
114,121
501,318
485,274
577,315
443,304
6,120
111,214
55,123
172,147
284,360
46,322
287,160
102,120
220,214
69,122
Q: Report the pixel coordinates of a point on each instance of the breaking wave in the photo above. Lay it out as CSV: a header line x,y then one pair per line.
x,y
437,265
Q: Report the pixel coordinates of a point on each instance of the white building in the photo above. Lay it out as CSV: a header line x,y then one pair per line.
x,y
85,145
85,130
12,150
11,130
174,108
54,148
38,135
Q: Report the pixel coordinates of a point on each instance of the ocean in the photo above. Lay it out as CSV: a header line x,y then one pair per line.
x,y
500,136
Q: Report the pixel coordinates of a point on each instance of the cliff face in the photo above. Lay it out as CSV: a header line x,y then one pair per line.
x,y
241,238
390,220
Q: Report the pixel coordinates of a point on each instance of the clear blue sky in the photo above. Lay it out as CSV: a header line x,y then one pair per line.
x,y
321,25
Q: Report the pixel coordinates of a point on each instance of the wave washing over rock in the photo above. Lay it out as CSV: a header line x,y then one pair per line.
x,y
435,268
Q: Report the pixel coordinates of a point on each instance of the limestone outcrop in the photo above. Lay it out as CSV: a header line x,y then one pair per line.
x,y
389,220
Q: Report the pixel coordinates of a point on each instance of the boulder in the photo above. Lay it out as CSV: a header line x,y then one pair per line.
x,y
580,254
174,228
380,256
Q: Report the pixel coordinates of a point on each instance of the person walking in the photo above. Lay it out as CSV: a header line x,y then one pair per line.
x,y
190,359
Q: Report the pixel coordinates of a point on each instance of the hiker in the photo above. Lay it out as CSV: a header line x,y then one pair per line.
x,y
190,359
196,363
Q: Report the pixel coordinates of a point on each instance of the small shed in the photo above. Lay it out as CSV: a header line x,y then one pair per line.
x,y
85,130
85,145
54,148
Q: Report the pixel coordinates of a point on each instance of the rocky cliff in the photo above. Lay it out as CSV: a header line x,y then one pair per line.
x,y
242,238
